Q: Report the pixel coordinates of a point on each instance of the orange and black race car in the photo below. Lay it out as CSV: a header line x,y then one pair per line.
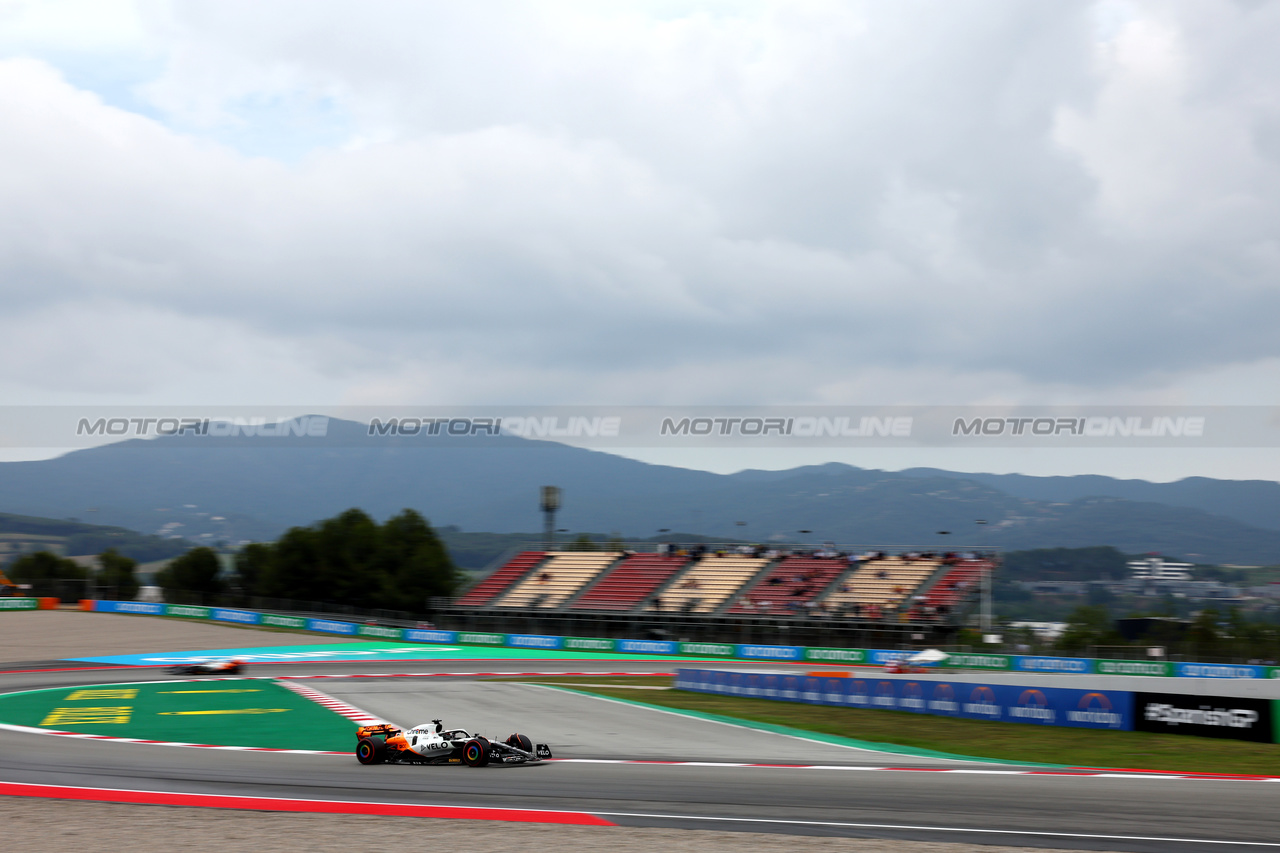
x,y
433,744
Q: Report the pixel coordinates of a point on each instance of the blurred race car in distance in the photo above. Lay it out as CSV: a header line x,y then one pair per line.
x,y
433,744
210,667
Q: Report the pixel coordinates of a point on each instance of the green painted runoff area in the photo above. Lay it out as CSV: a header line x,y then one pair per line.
x,y
251,712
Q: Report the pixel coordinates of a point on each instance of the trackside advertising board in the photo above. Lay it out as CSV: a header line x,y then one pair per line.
x,y
1207,716
1218,670
19,604
740,651
1030,663
588,644
1090,709
1133,667
835,655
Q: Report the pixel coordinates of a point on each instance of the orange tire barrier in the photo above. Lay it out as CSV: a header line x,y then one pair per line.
x,y
49,603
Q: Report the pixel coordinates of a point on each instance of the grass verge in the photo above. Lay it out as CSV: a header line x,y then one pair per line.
x,y
1014,742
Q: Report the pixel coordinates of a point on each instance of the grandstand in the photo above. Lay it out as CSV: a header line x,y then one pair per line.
x,y
505,576
940,600
557,579
880,585
708,584
630,583
768,595
791,586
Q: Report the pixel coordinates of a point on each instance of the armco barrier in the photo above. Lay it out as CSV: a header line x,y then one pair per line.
x,y
19,604
1093,709
741,651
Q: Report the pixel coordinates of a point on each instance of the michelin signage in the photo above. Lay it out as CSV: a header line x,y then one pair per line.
x,y
1045,706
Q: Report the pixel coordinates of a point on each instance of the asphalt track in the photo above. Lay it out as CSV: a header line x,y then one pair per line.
x,y
851,794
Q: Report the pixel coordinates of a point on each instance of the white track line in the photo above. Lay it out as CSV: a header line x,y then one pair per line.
x,y
1100,774
909,827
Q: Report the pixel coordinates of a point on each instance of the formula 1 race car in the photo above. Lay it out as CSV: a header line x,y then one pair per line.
x,y
433,744
211,667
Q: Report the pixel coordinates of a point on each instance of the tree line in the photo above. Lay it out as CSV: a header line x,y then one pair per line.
x,y
49,574
349,559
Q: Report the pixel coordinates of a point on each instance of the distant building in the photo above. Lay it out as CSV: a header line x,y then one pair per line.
x,y
1160,569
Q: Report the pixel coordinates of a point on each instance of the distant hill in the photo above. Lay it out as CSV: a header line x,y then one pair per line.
x,y
255,488
78,539
1253,502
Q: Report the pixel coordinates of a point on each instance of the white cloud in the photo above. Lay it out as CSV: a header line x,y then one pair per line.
x,y
708,202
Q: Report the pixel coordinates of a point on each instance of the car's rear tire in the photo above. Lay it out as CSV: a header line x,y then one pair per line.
x,y
520,741
371,750
475,752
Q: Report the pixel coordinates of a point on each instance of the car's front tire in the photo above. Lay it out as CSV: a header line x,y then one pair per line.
x,y
371,750
521,742
475,752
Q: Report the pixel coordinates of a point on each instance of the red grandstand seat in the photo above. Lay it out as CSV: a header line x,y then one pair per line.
x,y
498,582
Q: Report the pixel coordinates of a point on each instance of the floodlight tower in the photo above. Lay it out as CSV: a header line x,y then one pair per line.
x,y
550,503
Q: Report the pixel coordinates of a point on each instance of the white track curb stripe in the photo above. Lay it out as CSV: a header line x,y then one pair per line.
x,y
351,712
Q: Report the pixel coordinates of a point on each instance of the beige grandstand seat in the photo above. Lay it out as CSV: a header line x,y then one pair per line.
x,y
866,587
556,580
709,583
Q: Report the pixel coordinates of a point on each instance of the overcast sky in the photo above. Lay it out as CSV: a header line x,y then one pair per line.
x,y
654,203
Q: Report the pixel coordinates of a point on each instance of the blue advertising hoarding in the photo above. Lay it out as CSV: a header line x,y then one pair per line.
x,y
647,647
423,635
1037,663
331,626
1046,706
1218,670
144,607
533,641
755,652
241,617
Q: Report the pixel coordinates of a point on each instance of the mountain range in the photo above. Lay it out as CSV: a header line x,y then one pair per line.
x,y
253,488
